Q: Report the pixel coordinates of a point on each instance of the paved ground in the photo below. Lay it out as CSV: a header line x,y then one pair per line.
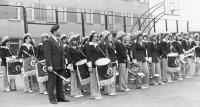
x,y
177,94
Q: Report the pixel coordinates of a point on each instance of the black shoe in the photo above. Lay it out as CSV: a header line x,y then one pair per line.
x,y
53,102
63,100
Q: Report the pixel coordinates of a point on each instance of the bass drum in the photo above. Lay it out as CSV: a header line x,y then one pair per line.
x,y
82,71
173,62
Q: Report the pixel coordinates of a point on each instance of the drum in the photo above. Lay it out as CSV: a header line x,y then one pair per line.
x,y
82,71
29,66
173,62
102,61
14,68
42,71
105,72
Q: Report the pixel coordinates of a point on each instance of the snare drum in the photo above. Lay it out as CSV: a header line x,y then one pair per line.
x,y
102,61
82,71
173,62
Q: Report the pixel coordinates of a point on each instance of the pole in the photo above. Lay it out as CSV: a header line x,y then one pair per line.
x,y
25,20
166,27
106,22
83,24
124,18
177,26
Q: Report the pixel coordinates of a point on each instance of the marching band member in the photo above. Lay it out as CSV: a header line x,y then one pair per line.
x,y
40,57
140,57
122,60
27,50
192,58
197,55
178,48
127,44
75,55
153,53
165,49
92,55
55,62
65,40
186,47
8,84
108,50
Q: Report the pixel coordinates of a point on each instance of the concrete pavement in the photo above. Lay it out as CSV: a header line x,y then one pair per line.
x,y
184,93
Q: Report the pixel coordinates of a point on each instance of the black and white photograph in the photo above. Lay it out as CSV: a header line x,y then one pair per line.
x,y
99,53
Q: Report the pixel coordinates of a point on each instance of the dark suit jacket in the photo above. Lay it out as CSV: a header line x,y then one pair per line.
x,y
186,45
178,47
5,52
67,54
139,52
54,54
121,52
40,52
92,53
165,49
30,51
153,51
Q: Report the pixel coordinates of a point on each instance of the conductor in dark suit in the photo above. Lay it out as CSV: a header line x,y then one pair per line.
x,y
55,62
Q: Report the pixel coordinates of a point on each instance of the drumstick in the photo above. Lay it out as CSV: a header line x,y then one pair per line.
x,y
60,76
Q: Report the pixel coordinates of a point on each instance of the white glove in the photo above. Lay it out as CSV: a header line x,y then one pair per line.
x,y
146,58
135,60
70,67
150,59
182,56
116,63
89,64
0,60
21,60
8,59
66,61
13,57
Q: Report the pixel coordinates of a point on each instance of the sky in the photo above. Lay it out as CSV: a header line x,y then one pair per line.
x,y
189,10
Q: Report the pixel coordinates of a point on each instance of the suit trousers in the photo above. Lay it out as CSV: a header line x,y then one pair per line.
x,y
164,70
55,83
5,78
75,84
145,80
156,69
123,76
94,85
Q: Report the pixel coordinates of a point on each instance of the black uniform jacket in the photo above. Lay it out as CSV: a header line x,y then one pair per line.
x,y
54,54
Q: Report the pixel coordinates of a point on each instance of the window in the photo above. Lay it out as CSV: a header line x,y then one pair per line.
x,y
89,16
30,12
110,17
62,14
124,15
102,17
14,12
130,19
50,14
143,1
79,15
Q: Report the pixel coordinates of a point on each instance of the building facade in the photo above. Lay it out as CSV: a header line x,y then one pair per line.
x,y
41,15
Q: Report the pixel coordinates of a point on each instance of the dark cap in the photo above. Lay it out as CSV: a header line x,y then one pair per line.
x,y
54,28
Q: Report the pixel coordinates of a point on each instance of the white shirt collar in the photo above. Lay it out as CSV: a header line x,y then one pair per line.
x,y
54,38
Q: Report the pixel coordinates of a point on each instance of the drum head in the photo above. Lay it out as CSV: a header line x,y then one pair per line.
x,y
102,61
172,54
81,62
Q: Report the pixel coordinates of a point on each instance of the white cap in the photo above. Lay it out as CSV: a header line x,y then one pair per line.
x,y
120,34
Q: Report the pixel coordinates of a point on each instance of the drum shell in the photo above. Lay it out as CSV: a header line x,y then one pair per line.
x,y
173,64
